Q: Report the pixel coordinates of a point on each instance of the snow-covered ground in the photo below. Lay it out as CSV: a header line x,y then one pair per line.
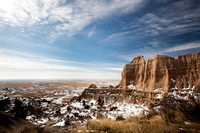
x,y
90,109
185,93
57,108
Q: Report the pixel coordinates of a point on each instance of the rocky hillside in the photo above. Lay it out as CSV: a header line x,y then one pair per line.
x,y
162,72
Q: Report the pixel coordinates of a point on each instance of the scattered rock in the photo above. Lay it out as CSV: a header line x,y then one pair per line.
x,y
100,101
86,107
110,87
113,108
67,122
92,86
69,109
120,118
76,114
84,103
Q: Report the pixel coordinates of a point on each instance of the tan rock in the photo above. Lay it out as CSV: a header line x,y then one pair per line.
x,y
162,72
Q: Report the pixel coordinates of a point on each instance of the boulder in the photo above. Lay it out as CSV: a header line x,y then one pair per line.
x,y
93,86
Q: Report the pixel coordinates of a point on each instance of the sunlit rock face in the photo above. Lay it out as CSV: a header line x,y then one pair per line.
x,y
162,72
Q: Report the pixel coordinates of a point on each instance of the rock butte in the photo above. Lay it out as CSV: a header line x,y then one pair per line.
x,y
150,80
162,72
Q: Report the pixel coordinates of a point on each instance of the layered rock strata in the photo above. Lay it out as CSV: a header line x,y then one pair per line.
x,y
110,96
162,72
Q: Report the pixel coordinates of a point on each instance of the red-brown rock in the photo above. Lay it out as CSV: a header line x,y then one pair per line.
x,y
162,72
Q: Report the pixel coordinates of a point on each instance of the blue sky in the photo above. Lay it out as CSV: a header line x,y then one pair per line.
x,y
91,39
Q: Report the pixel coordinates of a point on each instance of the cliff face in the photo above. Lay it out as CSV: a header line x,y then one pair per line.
x,y
162,72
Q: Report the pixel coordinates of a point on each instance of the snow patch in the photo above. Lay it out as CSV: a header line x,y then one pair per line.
x,y
183,94
42,121
61,123
158,90
173,80
77,105
131,86
58,101
159,96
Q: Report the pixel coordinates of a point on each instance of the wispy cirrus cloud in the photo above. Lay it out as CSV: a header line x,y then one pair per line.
x,y
20,12
187,46
177,18
149,52
62,17
11,59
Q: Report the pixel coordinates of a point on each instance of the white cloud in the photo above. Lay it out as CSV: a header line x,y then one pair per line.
x,y
119,35
19,65
58,75
114,68
67,17
177,18
86,11
183,47
14,62
25,12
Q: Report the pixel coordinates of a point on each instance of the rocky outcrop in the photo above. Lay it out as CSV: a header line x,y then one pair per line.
x,y
110,96
92,86
162,72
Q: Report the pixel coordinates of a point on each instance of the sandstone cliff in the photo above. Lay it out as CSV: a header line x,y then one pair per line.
x,y
162,72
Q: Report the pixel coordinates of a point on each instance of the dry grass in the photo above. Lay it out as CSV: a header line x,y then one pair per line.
x,y
29,128
153,123
107,125
157,124
131,125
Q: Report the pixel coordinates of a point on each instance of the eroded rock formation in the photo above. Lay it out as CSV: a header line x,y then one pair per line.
x,y
110,96
162,72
